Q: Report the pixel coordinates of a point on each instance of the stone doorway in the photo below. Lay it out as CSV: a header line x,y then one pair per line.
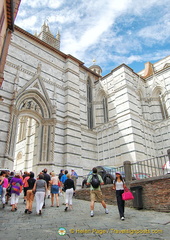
x,y
26,149
30,145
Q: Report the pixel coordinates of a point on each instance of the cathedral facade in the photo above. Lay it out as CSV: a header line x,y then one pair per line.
x,y
59,114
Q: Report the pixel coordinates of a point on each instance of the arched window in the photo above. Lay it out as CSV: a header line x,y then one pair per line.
x,y
89,105
163,106
105,110
159,105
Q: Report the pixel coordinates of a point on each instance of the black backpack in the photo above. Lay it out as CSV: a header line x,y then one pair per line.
x,y
95,182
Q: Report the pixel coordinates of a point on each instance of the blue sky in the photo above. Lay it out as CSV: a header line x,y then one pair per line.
x,y
110,31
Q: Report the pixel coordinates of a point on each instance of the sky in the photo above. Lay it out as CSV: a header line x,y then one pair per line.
x,y
111,32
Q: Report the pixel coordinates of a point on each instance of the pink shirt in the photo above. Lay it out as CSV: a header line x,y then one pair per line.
x,y
5,184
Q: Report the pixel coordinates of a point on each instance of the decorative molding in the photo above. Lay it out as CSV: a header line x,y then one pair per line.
x,y
33,74
72,71
71,88
32,105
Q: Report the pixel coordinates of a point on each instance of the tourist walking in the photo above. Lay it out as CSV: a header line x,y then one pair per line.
x,y
40,188
119,186
59,177
4,185
8,190
25,185
95,191
62,180
16,188
69,190
30,194
74,177
61,174
47,178
54,189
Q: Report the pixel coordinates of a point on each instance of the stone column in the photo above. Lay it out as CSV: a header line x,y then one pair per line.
x,y
128,172
168,152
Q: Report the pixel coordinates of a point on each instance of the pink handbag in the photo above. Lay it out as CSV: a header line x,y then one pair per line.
x,y
127,195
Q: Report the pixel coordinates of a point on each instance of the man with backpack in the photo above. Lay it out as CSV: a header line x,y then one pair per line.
x,y
95,181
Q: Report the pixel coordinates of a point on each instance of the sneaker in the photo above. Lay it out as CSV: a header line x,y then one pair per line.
x,y
91,213
26,210
106,211
122,218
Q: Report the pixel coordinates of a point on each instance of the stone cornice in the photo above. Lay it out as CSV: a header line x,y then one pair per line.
x,y
122,66
71,88
33,74
72,71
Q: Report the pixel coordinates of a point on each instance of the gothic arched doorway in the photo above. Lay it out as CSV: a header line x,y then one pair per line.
x,y
26,148
31,144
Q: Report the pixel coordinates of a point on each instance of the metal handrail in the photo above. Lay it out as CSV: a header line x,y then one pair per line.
x,y
152,167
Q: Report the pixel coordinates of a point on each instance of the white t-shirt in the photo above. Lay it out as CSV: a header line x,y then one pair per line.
x,y
119,185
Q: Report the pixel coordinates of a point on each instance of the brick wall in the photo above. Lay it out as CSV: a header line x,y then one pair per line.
x,y
155,193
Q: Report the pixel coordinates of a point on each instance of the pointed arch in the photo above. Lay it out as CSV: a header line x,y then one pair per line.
x,y
159,108
102,115
31,104
105,109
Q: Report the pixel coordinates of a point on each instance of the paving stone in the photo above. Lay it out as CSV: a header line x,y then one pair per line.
x,y
79,225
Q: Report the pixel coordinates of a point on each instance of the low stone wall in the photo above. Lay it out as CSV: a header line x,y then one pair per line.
x,y
108,195
155,193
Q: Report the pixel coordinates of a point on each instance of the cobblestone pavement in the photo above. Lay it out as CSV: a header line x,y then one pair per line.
x,y
77,224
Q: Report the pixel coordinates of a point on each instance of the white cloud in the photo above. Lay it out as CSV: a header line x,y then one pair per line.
x,y
110,30
28,22
159,31
54,3
42,3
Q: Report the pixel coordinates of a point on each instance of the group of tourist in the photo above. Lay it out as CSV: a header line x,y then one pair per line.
x,y
45,184
64,184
